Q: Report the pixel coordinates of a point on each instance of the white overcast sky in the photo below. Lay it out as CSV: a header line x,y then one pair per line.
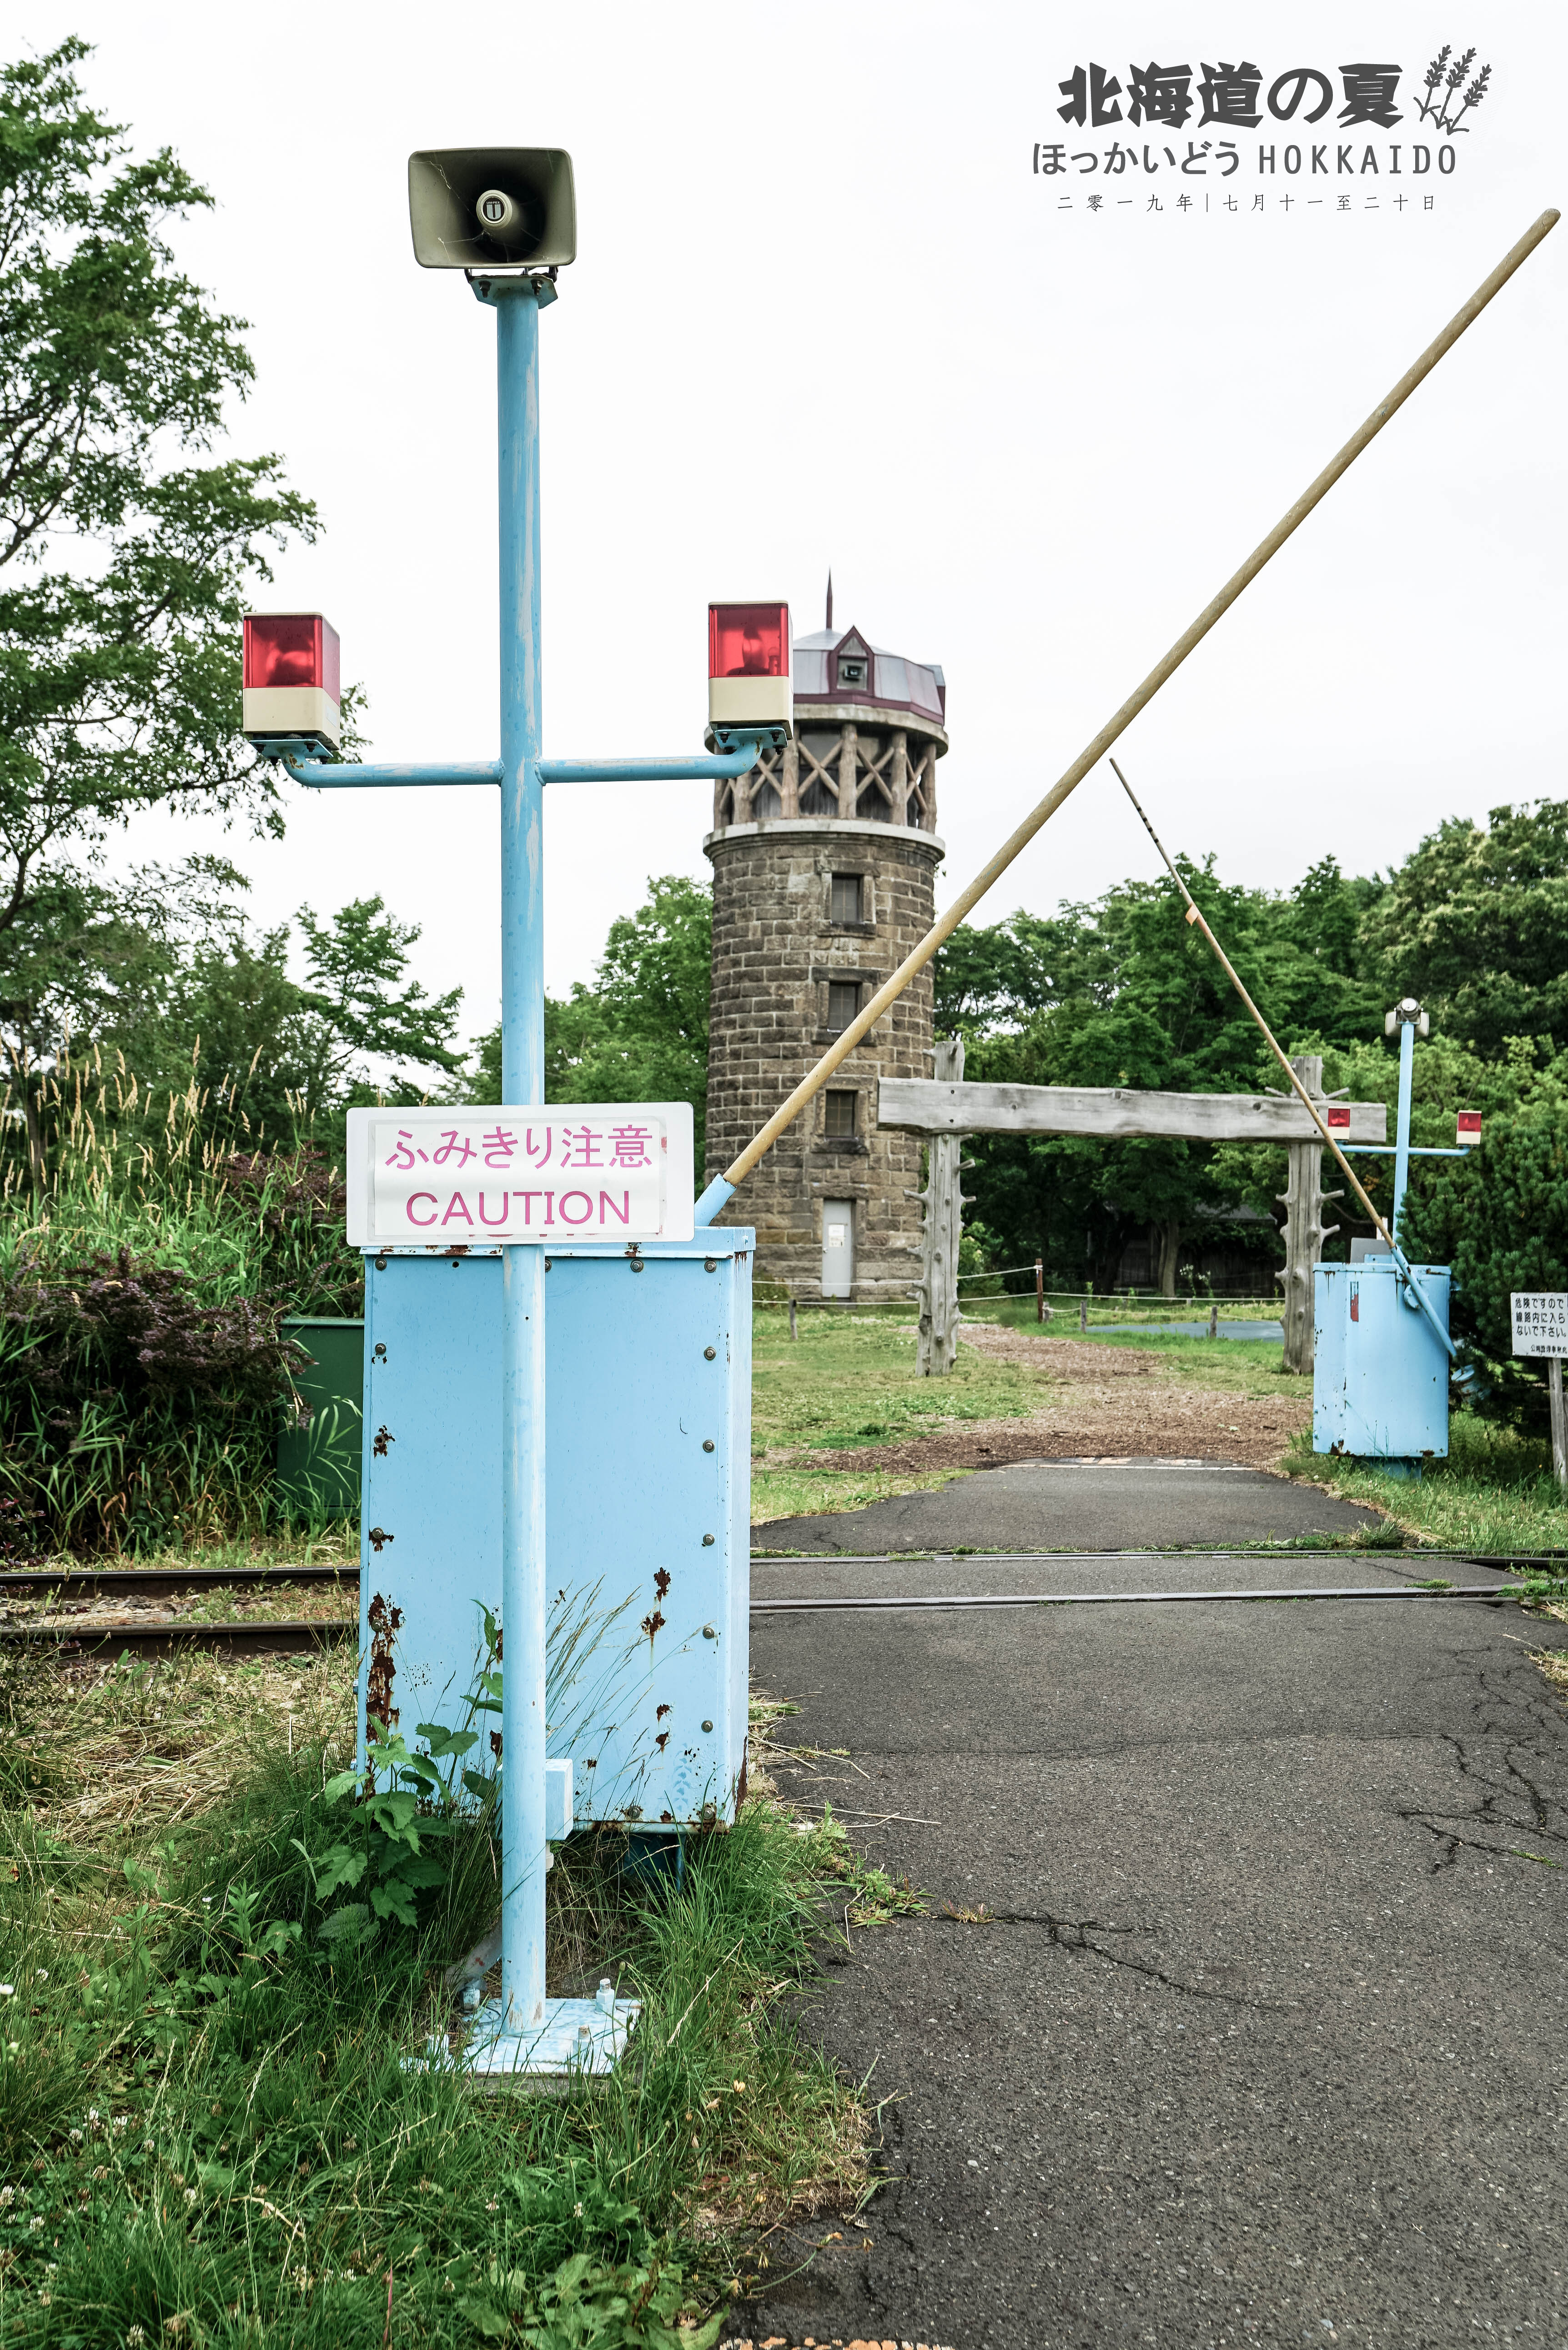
x,y
826,313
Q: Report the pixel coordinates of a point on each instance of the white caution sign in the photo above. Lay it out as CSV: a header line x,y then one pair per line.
x,y
1539,1321
441,1179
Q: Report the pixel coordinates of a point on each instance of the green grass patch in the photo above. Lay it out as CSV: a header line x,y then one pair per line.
x,y
1493,1494
207,2133
850,1380
805,1493
1244,1366
1064,1323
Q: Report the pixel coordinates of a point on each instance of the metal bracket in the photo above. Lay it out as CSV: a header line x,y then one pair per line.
x,y
766,738
306,767
480,283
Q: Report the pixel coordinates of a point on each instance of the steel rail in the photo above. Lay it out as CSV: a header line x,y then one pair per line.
x,y
173,1583
164,1582
304,1636
720,1189
300,1636
1493,1591
1514,1563
284,1636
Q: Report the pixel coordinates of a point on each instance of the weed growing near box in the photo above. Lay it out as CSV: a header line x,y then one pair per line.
x,y
207,2133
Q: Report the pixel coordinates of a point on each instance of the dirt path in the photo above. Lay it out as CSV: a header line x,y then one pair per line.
x,y
1110,1402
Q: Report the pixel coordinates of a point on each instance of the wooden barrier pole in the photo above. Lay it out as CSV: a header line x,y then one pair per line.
x,y
1194,914
1018,840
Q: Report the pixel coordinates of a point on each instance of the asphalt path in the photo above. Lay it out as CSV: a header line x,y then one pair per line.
x,y
1252,2032
1081,1506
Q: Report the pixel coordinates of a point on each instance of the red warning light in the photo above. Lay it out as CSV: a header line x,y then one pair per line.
x,y
1336,1117
748,640
292,691
291,649
1469,1122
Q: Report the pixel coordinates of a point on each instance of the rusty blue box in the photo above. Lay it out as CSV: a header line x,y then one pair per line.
x,y
648,1508
1380,1376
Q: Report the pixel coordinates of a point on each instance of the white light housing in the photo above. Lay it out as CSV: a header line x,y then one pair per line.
x,y
748,666
292,678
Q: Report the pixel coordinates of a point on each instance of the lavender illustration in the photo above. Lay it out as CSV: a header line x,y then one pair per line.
x,y
1430,104
1452,123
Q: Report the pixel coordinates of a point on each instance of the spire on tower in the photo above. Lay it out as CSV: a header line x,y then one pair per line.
x,y
829,621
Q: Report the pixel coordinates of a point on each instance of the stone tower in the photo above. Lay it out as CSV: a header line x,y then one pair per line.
x,y
824,861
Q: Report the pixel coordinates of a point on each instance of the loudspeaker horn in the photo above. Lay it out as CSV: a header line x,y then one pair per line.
x,y
491,207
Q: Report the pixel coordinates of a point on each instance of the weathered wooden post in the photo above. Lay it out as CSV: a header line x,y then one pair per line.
x,y
1303,1200
940,1233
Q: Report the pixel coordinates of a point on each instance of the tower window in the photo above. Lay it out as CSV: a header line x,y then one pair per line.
x,y
842,1004
847,898
838,1115
851,668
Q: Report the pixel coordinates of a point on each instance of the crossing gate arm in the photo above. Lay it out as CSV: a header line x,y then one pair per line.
x,y
722,1186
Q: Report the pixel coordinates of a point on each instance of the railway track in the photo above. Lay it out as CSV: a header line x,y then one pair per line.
x,y
68,1631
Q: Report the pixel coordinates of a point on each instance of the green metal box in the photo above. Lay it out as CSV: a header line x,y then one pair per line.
x,y
318,1465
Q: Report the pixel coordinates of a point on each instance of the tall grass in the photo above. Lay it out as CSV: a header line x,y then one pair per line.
x,y
147,1253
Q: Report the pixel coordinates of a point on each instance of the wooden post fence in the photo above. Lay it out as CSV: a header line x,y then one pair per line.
x,y
937,1349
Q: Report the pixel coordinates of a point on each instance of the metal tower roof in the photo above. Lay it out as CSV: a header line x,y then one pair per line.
x,y
891,680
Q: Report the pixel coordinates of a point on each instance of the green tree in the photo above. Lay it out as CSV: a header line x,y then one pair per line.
x,y
1475,924
640,1031
360,1007
1500,1218
169,989
1126,992
123,560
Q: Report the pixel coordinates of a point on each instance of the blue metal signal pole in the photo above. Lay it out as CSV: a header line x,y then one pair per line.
x,y
532,2035
1402,1124
523,1614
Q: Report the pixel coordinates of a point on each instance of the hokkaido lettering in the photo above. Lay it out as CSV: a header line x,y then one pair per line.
x,y
1437,109
1231,95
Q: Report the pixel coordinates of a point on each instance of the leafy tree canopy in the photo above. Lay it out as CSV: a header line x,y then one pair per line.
x,y
179,998
640,1031
124,552
1500,1218
1475,924
1125,992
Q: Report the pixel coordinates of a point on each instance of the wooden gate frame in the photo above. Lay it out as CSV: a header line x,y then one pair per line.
x,y
942,1110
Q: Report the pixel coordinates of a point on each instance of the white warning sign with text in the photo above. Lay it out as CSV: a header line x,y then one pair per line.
x,y
1539,1321
442,1178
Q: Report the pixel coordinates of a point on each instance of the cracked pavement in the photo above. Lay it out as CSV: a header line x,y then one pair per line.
x,y
1257,2034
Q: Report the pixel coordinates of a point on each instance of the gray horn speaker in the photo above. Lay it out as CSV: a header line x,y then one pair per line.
x,y
491,207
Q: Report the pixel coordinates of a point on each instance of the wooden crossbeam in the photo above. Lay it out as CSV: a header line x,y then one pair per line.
x,y
926,1105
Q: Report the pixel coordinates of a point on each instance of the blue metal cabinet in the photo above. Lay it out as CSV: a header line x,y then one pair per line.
x,y
647,1509
1380,1376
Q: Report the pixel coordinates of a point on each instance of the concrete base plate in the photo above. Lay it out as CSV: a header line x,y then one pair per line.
x,y
579,2039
